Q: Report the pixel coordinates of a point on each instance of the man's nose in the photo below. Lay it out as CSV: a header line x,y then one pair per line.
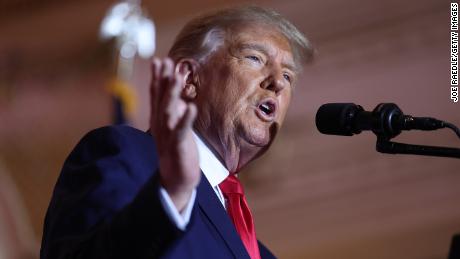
x,y
274,83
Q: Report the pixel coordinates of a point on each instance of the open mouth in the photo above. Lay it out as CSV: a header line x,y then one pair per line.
x,y
267,109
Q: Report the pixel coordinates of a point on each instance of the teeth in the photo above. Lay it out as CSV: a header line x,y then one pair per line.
x,y
265,108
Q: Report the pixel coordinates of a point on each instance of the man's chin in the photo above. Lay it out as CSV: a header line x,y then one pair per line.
x,y
258,139
255,142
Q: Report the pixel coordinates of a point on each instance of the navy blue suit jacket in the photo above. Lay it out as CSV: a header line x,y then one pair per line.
x,y
106,205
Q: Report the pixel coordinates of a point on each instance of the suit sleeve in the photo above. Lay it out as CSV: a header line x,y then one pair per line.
x,y
106,201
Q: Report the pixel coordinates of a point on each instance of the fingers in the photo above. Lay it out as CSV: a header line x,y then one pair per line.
x,y
186,122
155,68
154,86
168,109
162,75
172,103
166,76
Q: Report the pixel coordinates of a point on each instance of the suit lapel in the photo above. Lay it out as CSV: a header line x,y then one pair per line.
x,y
212,208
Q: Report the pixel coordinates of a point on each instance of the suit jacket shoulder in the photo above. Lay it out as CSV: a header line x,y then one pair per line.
x,y
105,203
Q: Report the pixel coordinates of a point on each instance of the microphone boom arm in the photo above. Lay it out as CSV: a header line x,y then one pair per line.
x,y
383,145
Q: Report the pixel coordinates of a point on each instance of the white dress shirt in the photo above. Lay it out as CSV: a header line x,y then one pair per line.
x,y
214,171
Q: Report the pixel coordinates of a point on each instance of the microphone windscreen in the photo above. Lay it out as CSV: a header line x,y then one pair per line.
x,y
336,118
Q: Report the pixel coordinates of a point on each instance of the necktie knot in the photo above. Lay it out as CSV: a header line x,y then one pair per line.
x,y
231,185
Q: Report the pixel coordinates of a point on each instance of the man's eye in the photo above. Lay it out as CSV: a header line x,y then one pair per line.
x,y
254,58
287,77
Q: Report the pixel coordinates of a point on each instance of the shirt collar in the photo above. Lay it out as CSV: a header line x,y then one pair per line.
x,y
211,166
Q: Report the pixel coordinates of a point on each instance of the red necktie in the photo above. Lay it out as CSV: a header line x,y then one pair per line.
x,y
238,209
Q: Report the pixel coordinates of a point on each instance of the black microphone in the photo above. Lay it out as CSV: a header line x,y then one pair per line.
x,y
386,120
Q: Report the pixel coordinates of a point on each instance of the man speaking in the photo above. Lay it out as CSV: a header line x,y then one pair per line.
x,y
217,103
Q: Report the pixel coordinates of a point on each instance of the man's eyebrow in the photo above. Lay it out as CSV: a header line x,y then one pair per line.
x,y
261,48
291,66
254,46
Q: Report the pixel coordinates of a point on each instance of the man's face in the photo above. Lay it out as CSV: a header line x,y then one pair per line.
x,y
246,88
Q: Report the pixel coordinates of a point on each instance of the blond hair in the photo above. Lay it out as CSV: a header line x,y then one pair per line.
x,y
204,34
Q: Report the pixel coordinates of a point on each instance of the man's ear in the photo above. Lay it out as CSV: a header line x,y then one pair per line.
x,y
189,68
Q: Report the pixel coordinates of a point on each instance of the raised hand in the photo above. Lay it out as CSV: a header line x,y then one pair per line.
x,y
171,122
